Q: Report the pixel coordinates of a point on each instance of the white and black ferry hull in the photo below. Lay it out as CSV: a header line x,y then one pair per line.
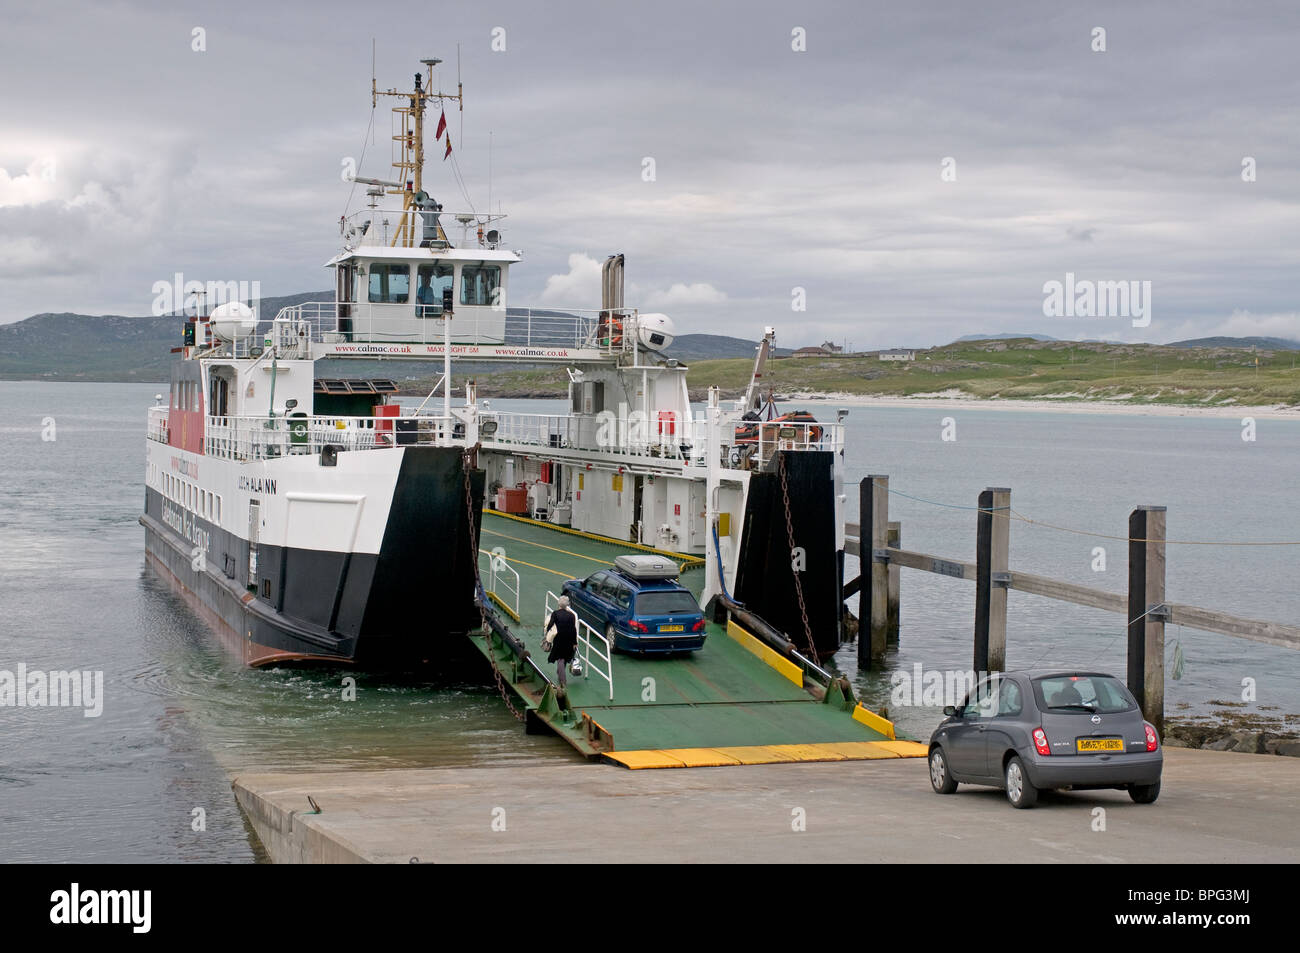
x,y
366,562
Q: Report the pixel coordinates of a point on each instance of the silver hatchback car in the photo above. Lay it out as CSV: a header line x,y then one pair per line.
x,y
1029,731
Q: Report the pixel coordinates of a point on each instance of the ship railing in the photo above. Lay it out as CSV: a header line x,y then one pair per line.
x,y
502,581
381,327
158,424
591,646
264,438
632,437
420,228
776,435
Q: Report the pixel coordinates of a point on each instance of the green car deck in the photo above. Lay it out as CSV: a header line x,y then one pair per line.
x,y
736,701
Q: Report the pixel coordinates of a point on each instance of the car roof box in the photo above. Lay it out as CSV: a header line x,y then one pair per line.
x,y
646,567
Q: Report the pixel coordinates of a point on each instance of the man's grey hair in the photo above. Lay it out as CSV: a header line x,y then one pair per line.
x,y
564,602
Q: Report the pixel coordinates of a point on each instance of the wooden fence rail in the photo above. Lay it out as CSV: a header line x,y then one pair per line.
x,y
1144,606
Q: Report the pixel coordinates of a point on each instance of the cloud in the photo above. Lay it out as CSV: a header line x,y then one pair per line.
x,y
684,295
579,287
1117,166
1245,324
39,183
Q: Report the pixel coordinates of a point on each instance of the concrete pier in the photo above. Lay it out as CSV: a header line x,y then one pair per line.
x,y
1215,807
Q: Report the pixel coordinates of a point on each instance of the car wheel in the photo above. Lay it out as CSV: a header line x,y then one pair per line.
x,y
940,779
1144,793
1020,790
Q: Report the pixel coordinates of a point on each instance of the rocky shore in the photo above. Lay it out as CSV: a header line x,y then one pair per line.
x,y
1225,729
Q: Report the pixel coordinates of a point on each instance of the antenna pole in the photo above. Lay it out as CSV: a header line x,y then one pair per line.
x,y
410,144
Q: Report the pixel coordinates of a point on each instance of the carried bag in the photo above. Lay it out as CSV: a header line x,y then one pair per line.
x,y
548,639
576,667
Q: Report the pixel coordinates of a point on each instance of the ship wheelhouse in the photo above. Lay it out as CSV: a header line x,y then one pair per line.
x,y
395,294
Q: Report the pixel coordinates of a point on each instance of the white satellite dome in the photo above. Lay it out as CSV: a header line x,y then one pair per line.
x,y
655,331
233,321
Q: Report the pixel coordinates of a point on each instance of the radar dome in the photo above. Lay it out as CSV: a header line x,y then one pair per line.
x,y
655,331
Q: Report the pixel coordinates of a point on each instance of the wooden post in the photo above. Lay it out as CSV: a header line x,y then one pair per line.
x,y
992,559
1146,612
879,570
895,541
873,622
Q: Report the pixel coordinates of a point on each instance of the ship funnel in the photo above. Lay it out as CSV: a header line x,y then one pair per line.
x,y
611,283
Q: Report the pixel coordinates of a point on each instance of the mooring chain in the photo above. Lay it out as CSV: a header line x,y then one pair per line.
x,y
480,597
798,582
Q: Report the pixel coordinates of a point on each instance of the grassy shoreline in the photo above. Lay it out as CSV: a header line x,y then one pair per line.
x,y
1018,369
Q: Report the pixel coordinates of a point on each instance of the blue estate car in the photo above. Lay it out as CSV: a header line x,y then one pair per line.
x,y
640,606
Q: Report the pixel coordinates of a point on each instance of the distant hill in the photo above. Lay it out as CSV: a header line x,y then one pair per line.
x,y
1267,344
708,347
106,347
65,346
1003,337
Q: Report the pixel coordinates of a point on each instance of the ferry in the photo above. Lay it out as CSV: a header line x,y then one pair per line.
x,y
321,520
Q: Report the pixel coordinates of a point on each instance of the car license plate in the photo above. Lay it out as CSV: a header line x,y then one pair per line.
x,y
1100,744
672,628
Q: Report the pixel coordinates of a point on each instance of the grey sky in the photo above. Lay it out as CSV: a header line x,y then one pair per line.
x,y
126,156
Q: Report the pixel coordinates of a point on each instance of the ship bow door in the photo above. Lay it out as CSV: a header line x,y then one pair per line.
x,y
254,524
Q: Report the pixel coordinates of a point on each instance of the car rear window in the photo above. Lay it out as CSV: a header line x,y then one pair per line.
x,y
1083,693
665,603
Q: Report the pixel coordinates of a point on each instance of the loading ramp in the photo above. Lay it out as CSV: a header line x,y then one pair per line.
x,y
736,701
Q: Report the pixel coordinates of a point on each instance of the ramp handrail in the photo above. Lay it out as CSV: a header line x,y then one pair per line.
x,y
586,645
498,581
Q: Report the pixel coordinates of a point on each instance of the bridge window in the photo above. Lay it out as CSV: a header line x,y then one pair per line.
x,y
390,284
480,284
429,284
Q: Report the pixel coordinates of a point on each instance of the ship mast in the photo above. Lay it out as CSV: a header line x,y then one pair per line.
x,y
409,140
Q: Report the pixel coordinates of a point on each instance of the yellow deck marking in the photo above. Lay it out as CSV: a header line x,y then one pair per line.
x,y
505,608
906,749
554,549
768,655
811,753
701,757
690,562
756,754
645,759
767,754
553,572
874,721
858,750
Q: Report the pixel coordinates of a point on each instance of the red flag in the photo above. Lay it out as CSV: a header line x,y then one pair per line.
x,y
442,125
448,152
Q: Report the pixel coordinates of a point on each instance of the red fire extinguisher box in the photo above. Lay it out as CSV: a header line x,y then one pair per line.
x,y
384,427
